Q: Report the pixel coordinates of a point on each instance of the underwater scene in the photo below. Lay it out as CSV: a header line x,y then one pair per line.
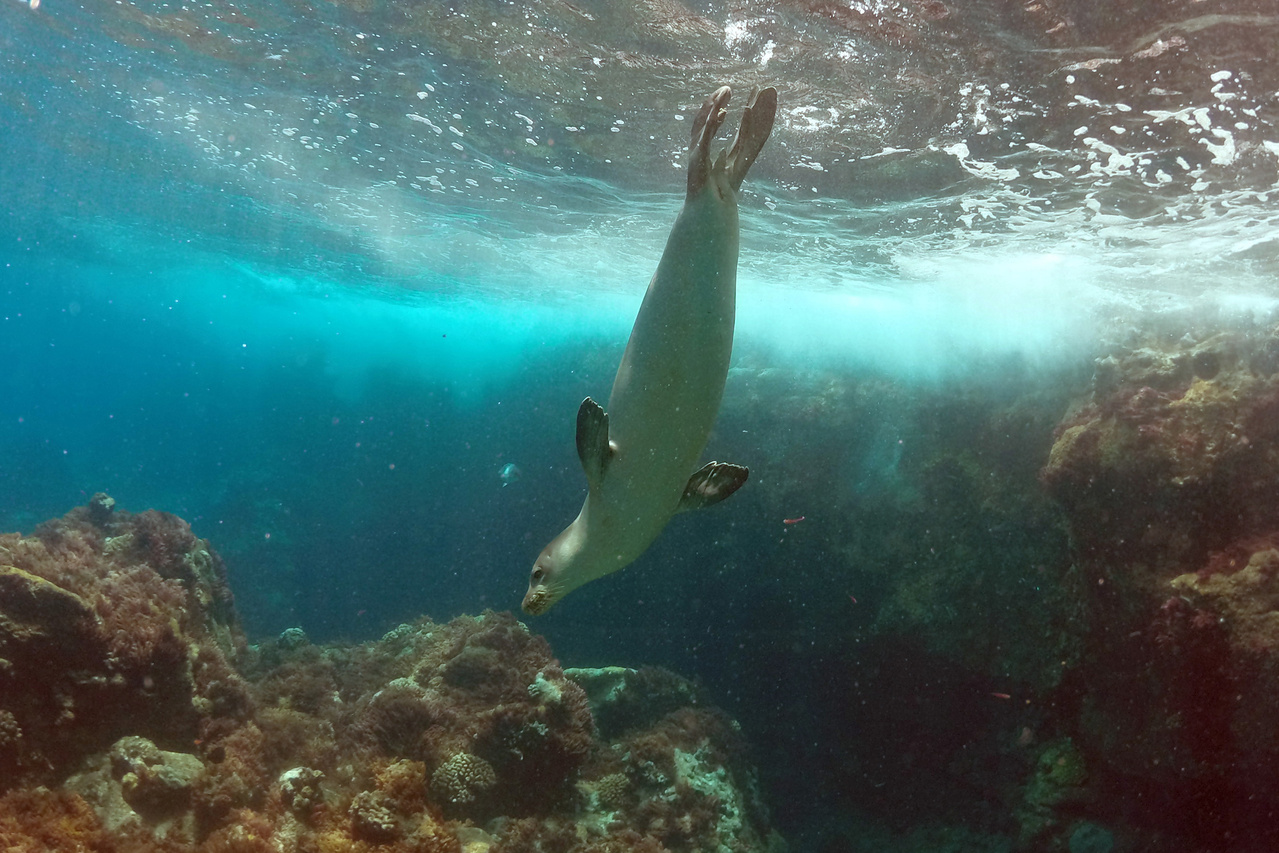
x,y
673,426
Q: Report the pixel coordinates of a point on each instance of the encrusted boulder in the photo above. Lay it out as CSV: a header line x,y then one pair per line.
x,y
1169,476
622,699
1175,453
300,789
488,689
137,785
111,624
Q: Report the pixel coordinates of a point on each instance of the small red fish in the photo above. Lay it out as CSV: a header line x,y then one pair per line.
x,y
792,520
1002,695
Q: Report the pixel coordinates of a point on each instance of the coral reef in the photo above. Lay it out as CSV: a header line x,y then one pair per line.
x,y
152,726
463,778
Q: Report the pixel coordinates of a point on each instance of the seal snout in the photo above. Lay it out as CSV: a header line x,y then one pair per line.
x,y
537,601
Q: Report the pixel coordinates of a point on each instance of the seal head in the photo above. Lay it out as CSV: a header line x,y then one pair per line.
x,y
549,581
541,587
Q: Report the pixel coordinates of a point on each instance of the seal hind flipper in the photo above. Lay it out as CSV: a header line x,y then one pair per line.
x,y
705,126
757,124
752,133
712,483
593,446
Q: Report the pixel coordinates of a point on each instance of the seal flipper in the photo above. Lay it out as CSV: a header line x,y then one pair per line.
x,y
705,126
593,446
712,483
757,124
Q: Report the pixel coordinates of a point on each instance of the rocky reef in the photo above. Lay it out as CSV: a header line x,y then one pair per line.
x,y
1168,472
1012,615
1028,612
135,716
111,624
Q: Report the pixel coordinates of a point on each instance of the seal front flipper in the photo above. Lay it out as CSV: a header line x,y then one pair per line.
x,y
712,483
593,446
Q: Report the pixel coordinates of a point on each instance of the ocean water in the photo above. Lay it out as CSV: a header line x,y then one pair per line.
x,y
311,275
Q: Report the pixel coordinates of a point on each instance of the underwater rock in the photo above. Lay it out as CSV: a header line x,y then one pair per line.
x,y
110,624
1057,784
926,603
623,698
489,688
431,738
1239,587
1234,599
1169,476
300,789
155,782
1089,837
100,507
1174,453
137,785
682,777
292,638
688,783
372,820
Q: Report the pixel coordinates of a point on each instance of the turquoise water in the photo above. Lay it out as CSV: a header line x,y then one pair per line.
x,y
310,276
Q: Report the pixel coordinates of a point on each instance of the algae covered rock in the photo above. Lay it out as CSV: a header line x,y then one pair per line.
x,y
1058,780
110,624
1166,464
300,789
153,781
1241,590
135,784
433,737
622,698
488,689
1167,474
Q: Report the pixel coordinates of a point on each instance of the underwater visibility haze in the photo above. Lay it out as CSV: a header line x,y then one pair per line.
x,y
298,302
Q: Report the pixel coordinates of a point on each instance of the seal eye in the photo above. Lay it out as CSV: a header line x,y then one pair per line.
x,y
538,574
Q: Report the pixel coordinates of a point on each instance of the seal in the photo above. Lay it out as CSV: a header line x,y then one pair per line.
x,y
638,457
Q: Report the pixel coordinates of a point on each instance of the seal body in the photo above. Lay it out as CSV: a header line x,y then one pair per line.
x,y
640,457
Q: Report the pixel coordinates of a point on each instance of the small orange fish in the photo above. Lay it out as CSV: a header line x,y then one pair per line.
x,y
792,520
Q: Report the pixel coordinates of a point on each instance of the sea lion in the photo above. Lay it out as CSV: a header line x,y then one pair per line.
x,y
638,458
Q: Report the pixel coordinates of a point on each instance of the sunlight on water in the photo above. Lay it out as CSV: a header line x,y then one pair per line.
x,y
385,151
